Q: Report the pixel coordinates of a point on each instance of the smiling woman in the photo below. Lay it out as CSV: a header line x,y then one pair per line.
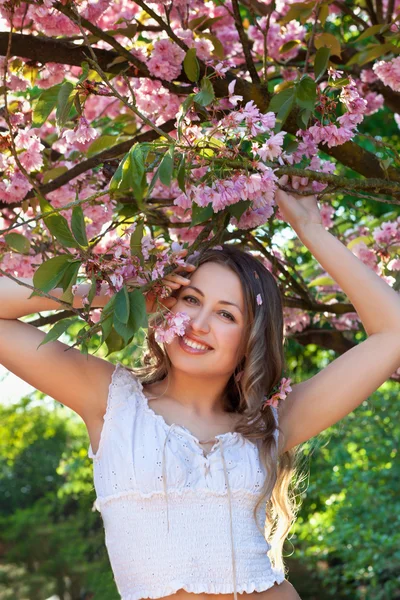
x,y
212,381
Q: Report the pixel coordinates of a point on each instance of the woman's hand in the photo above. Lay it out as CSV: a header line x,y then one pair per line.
x,y
298,211
173,282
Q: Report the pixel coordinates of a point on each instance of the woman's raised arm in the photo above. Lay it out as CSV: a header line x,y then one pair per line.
x,y
77,381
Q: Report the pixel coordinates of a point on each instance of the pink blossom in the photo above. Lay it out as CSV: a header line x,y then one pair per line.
x,y
232,98
272,148
394,264
14,187
166,60
174,324
50,75
295,320
386,233
81,133
259,299
367,256
388,72
327,211
20,265
254,217
284,389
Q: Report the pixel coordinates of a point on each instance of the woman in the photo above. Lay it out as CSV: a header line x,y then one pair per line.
x,y
182,448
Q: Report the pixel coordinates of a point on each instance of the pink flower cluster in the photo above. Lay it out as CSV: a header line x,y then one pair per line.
x,y
367,256
257,187
81,133
174,324
388,72
166,60
388,232
256,122
331,134
284,390
277,36
31,157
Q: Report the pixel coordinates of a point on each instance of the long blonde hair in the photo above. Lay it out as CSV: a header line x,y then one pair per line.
x,y
262,364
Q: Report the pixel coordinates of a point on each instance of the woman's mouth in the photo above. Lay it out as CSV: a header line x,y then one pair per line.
x,y
192,347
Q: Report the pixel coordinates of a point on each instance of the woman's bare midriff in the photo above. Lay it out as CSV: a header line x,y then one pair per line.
x,y
283,591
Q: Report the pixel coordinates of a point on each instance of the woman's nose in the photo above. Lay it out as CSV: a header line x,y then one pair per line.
x,y
199,322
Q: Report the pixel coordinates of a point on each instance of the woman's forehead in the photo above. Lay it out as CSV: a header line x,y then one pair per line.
x,y
217,279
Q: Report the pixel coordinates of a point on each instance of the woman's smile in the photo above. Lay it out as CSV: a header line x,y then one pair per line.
x,y
192,347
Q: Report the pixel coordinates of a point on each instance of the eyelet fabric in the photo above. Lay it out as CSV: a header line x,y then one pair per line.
x,y
174,518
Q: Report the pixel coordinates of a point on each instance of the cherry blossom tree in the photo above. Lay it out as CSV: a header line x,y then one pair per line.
x,y
131,130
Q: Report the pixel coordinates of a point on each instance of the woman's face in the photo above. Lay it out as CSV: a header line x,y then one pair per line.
x,y
215,304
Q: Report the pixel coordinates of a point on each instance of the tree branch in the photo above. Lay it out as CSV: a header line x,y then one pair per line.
x,y
51,319
390,10
48,50
330,339
244,40
100,158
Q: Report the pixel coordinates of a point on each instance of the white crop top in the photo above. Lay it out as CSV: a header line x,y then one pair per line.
x,y
172,517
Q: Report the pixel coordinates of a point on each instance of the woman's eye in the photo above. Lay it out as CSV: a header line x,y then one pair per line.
x,y
189,298
228,315
223,312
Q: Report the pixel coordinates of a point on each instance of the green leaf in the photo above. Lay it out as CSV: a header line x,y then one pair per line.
x,y
17,242
323,14
114,342
371,53
136,240
306,92
131,173
303,118
285,110
125,330
78,226
58,226
121,311
182,174
278,100
85,72
321,62
183,109
289,46
219,50
92,291
106,326
328,40
203,22
201,214
236,210
138,313
117,177
167,167
101,143
299,11
54,173
373,30
191,65
50,273
68,280
206,94
323,280
44,105
64,102
58,329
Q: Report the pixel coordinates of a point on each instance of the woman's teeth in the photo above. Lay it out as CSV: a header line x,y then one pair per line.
x,y
195,345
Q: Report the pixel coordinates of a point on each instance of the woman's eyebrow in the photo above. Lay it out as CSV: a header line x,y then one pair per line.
x,y
221,301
